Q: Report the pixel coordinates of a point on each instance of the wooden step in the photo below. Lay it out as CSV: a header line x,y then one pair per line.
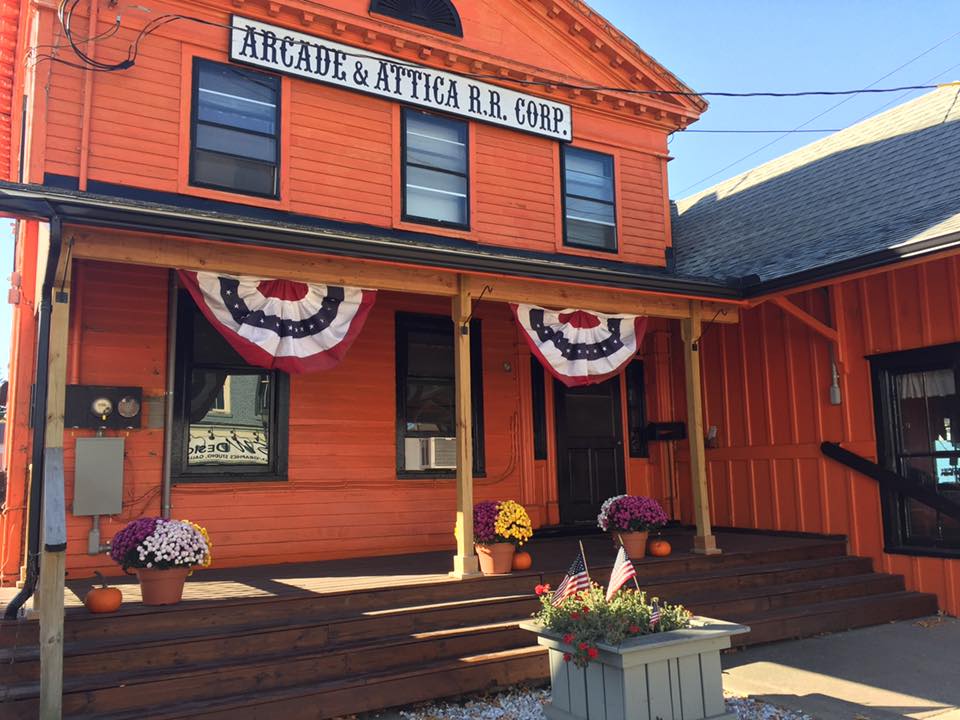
x,y
763,598
317,701
834,616
101,694
132,654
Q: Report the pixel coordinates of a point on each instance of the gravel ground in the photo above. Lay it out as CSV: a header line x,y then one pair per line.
x,y
527,704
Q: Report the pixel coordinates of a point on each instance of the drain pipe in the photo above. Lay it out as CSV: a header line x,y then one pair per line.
x,y
172,310
39,415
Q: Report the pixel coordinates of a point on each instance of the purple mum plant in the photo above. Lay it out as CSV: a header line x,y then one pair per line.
x,y
484,522
123,547
628,513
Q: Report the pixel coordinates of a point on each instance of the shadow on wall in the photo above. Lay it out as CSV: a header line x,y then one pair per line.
x,y
855,201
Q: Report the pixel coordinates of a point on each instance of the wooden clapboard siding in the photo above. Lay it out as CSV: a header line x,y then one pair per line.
x,y
343,497
766,384
340,149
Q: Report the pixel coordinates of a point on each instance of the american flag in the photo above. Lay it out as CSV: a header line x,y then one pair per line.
x,y
623,571
577,579
655,616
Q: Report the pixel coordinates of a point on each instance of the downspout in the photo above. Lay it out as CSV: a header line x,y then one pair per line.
x,y
39,415
172,311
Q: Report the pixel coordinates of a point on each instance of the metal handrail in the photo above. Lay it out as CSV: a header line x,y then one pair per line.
x,y
892,481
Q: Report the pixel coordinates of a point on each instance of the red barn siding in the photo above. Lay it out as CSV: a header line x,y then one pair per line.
x,y
766,385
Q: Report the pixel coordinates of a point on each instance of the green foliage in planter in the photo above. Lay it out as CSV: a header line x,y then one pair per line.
x,y
587,618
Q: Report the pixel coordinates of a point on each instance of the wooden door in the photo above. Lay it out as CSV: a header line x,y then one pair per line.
x,y
590,464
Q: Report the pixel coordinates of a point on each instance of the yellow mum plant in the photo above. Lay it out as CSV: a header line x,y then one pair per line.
x,y
497,522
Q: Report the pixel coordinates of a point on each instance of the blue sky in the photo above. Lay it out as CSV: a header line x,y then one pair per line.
x,y
753,45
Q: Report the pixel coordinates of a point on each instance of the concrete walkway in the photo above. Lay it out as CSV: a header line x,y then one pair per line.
x,y
907,669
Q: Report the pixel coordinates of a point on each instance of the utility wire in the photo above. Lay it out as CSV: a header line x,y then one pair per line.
x,y
67,8
869,89
750,132
898,98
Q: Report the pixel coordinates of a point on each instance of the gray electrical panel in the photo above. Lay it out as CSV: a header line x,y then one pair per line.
x,y
98,486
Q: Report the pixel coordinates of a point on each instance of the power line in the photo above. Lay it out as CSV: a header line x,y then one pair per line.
x,y
898,98
749,132
869,89
158,22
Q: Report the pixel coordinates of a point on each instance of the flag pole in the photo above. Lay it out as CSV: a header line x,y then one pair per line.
x,y
635,582
584,556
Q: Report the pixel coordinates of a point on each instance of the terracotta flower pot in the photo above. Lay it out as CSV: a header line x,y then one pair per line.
x,y
496,559
162,587
635,542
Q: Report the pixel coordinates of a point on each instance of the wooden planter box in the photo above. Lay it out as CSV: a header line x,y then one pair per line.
x,y
665,676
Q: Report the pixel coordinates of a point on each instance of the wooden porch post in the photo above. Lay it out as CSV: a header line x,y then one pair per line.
x,y
53,552
704,543
465,562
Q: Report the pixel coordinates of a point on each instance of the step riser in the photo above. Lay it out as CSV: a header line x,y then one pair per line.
x,y
186,653
882,584
208,683
869,613
534,669
757,579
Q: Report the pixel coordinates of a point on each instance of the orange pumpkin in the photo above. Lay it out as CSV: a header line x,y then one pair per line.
x,y
103,599
659,547
522,561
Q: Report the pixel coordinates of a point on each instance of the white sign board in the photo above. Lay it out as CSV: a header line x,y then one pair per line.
x,y
307,56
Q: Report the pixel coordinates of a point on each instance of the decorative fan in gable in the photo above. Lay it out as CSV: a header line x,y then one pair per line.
x,y
435,14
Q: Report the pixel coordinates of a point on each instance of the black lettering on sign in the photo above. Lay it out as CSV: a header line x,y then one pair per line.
x,y
494,104
303,58
383,80
475,99
453,96
269,47
286,51
558,119
339,58
249,48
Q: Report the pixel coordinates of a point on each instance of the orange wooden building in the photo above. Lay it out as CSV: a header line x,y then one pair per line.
x,y
457,158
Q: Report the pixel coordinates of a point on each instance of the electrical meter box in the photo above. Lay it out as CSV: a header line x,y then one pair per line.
x,y
98,487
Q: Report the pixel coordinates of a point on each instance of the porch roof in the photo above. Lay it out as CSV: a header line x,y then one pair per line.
x,y
120,207
878,192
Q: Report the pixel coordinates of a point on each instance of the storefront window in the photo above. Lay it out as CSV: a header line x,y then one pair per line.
x,y
231,417
426,391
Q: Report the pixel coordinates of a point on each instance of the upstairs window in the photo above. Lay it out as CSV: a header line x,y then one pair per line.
x,y
235,143
434,14
589,203
435,174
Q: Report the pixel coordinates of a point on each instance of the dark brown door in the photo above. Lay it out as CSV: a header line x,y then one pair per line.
x,y
589,448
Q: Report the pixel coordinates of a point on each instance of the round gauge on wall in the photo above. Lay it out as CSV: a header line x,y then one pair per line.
x,y
101,407
128,407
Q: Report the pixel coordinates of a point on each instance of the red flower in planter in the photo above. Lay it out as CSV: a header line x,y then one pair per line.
x,y
568,639
574,616
634,629
583,646
585,610
567,657
541,589
593,652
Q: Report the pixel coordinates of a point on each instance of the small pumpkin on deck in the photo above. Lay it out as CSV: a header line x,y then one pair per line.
x,y
659,547
103,599
522,561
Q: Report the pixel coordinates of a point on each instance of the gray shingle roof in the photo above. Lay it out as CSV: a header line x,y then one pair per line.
x,y
883,184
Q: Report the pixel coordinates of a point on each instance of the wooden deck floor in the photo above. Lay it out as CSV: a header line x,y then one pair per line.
x,y
550,556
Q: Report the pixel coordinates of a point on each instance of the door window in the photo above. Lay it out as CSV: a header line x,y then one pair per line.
x,y
919,418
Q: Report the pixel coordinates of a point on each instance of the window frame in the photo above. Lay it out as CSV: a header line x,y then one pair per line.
x,y
404,322
538,397
406,217
181,472
564,149
883,368
192,181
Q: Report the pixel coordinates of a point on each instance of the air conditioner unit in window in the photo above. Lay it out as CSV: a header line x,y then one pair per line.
x,y
435,453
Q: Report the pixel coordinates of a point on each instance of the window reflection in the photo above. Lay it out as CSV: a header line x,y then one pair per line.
x,y
229,418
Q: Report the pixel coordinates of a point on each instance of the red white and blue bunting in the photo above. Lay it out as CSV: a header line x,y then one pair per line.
x,y
280,324
580,347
